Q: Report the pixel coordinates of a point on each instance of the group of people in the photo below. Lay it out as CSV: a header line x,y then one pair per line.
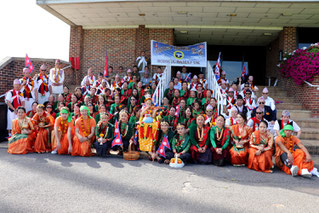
x,y
44,116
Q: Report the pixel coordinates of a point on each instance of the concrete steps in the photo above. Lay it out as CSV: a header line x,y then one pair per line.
x,y
309,125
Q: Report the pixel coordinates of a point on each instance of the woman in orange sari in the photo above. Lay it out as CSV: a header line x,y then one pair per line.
x,y
260,149
240,134
291,160
62,133
23,136
84,133
44,122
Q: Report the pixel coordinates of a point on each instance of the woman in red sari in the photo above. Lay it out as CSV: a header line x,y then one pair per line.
x,y
44,123
23,136
84,133
200,140
62,133
240,134
260,149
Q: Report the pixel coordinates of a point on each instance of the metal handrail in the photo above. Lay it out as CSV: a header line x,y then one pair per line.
x,y
214,86
311,85
161,86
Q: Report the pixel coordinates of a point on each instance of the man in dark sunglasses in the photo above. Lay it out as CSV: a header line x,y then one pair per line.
x,y
254,121
268,114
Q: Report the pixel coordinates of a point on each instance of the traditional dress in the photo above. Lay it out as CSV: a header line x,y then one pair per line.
x,y
15,98
239,154
298,155
220,138
103,132
43,139
21,143
84,126
28,90
200,138
91,79
262,162
182,144
43,83
127,131
57,76
63,127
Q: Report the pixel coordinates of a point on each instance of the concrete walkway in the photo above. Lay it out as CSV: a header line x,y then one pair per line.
x,y
51,183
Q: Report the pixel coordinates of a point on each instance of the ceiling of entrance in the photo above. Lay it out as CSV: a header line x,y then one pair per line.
x,y
232,23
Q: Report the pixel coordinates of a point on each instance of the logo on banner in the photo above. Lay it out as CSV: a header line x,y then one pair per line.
x,y
178,55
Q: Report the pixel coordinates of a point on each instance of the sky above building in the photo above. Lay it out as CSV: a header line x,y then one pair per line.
x,y
28,29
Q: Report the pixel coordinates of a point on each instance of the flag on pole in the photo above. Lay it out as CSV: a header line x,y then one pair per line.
x,y
243,72
106,72
188,77
161,148
28,63
217,67
117,139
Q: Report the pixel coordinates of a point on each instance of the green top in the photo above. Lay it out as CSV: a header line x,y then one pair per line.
x,y
184,146
166,91
127,130
192,132
204,101
97,118
57,115
113,108
212,137
190,101
109,131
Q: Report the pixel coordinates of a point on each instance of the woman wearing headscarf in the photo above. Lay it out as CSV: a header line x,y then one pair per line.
x,y
62,133
290,160
84,133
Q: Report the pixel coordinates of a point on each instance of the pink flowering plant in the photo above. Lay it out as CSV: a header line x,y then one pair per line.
x,y
302,64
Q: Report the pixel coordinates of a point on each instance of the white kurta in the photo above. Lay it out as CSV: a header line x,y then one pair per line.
x,y
11,115
91,80
29,101
45,97
57,89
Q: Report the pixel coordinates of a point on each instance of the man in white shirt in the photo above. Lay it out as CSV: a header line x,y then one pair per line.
x,y
232,119
90,76
268,100
14,99
29,88
44,85
285,119
57,79
141,61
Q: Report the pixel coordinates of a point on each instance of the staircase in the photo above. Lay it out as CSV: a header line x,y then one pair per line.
x,y
309,125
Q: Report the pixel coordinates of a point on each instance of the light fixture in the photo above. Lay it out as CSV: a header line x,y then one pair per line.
x,y
232,14
182,12
286,14
183,31
267,34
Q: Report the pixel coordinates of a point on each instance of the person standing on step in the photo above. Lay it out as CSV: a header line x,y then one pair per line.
x,y
29,89
14,99
141,61
285,119
57,78
44,85
269,101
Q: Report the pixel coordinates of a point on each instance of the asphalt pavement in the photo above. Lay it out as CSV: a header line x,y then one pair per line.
x,y
52,183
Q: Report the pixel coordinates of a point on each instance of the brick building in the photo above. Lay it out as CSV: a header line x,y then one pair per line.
x,y
257,32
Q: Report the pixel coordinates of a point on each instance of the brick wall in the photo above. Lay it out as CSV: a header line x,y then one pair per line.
x,y
123,46
11,69
303,94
